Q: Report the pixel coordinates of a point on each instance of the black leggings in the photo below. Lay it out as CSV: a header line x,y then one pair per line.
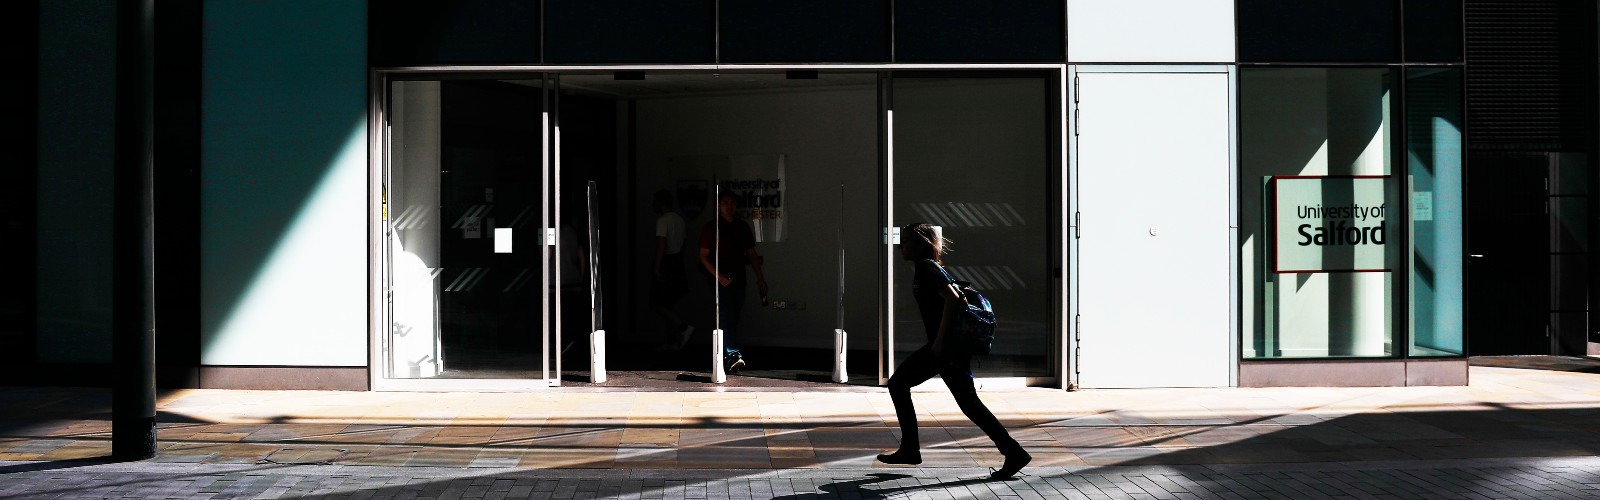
x,y
956,370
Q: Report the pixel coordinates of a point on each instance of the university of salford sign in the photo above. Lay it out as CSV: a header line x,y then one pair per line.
x,y
1331,223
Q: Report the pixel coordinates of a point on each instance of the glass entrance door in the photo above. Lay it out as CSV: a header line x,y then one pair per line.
x,y
472,269
973,155
797,155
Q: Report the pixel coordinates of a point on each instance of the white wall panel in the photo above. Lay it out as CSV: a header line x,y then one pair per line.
x,y
1150,31
283,229
1153,187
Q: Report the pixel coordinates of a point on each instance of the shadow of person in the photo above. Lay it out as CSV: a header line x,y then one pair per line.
x,y
853,488
57,464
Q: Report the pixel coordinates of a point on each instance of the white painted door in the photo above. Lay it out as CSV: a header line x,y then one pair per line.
x,y
1153,282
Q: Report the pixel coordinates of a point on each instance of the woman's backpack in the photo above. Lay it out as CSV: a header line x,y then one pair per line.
x,y
977,320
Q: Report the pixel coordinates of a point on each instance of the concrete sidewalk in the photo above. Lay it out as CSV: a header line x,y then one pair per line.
x,y
1512,431
1476,478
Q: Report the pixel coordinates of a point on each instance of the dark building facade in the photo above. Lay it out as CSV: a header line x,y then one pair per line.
x,y
408,195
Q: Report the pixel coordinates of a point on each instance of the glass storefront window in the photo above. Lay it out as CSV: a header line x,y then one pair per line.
x,y
971,156
1319,243
463,197
1433,163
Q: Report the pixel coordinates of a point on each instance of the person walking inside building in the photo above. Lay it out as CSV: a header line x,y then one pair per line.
x,y
938,300
735,248
668,282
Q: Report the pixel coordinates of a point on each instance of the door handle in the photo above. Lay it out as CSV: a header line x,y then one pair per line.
x,y
1476,256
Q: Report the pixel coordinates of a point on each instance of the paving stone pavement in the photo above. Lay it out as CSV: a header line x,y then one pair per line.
x,y
1540,478
1513,432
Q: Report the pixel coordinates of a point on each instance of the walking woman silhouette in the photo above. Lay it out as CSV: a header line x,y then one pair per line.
x,y
938,300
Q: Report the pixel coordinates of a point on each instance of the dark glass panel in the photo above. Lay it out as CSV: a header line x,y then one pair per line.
x,y
805,30
1433,30
966,31
629,31
1318,31
943,126
420,33
177,190
19,113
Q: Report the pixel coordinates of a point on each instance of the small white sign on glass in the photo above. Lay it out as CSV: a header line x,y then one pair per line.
x,y
502,240
1422,206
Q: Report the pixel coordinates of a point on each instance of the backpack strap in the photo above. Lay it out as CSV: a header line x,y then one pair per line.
x,y
960,284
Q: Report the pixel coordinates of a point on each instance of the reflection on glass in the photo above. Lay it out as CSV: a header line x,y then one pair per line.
x,y
464,170
1433,160
1312,122
971,156
412,345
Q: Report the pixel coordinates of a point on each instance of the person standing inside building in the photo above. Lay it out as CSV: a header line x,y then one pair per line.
x,y
668,282
735,248
938,300
577,305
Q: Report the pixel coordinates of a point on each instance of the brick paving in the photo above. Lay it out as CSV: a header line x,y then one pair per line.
x,y
1569,477
1512,433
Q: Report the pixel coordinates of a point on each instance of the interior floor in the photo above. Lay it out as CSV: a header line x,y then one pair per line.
x,y
663,365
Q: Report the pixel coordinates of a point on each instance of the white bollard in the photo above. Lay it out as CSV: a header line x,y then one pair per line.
x,y
841,346
597,356
718,374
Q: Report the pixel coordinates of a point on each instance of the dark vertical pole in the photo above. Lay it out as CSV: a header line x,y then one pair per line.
x,y
133,399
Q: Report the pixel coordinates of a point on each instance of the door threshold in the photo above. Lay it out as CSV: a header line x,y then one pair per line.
x,y
694,381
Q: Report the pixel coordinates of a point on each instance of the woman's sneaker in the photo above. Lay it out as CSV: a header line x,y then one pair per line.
x,y
901,457
734,360
1014,463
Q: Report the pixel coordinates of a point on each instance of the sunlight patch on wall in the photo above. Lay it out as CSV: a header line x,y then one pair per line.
x,y
307,303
